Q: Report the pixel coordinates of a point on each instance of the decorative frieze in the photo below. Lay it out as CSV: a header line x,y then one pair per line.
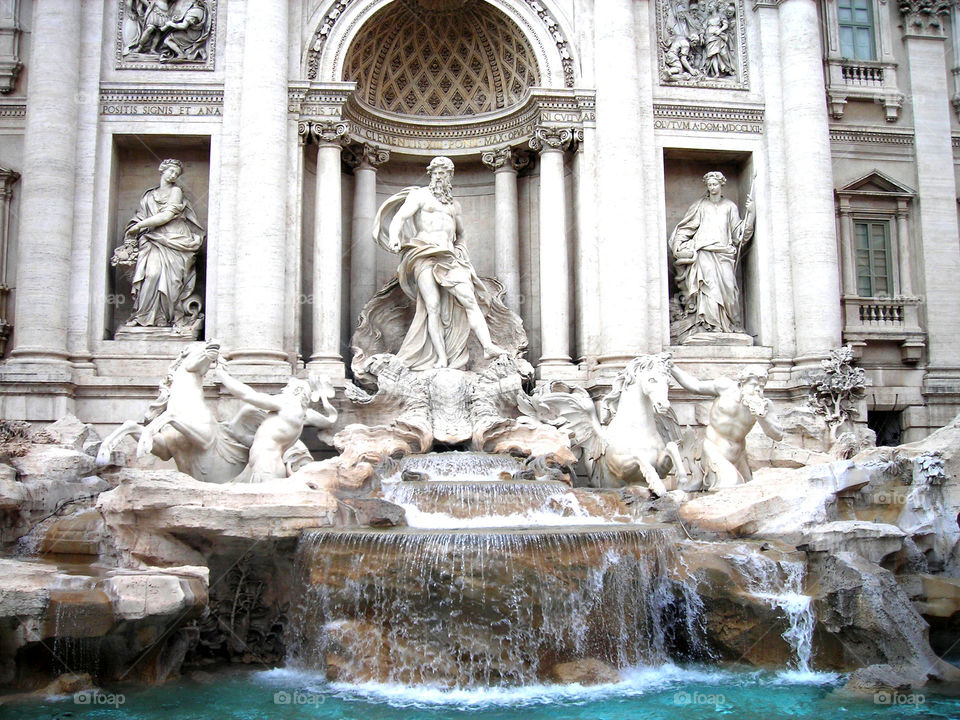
x,y
705,118
162,102
702,44
559,38
166,34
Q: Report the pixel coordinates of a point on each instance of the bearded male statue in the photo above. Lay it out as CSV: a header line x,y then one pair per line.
x,y
423,225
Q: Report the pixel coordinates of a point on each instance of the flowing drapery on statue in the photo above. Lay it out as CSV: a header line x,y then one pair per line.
x,y
706,245
452,303
161,243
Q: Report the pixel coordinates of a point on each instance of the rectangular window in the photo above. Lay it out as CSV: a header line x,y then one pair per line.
x,y
856,29
874,266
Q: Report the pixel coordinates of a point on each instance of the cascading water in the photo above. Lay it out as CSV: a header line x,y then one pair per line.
x,y
780,584
519,577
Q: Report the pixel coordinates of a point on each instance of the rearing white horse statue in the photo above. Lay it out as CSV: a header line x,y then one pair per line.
x,y
633,439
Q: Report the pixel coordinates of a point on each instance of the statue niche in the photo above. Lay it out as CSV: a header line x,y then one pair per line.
x,y
158,257
706,248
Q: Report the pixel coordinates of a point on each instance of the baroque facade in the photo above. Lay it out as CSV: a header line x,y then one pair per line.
x,y
580,131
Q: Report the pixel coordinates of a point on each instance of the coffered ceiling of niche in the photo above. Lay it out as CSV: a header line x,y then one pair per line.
x,y
440,58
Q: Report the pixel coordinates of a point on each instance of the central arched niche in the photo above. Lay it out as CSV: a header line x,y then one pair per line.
x,y
440,58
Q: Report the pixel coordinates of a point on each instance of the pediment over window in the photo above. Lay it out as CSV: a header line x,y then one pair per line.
x,y
877,183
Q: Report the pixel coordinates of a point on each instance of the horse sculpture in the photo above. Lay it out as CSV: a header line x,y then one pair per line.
x,y
634,437
180,425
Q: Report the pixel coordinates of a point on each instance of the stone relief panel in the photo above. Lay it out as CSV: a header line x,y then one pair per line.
x,y
702,43
166,34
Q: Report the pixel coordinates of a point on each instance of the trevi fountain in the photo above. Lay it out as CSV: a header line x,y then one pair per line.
x,y
636,477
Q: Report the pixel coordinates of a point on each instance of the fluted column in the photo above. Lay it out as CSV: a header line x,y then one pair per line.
x,y
363,250
49,185
327,250
262,189
554,262
925,45
505,163
813,245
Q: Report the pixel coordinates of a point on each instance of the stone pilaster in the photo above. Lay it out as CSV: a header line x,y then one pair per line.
x,y
505,164
327,249
924,41
809,170
554,260
363,250
625,159
49,187
262,191
586,276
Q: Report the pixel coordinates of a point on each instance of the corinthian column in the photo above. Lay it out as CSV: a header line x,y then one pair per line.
x,y
262,189
49,186
554,262
925,45
327,250
505,163
363,250
813,246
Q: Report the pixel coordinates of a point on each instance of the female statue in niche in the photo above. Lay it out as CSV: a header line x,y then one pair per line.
x,y
161,245
706,247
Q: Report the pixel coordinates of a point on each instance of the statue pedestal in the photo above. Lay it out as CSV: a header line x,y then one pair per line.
x,y
138,332
718,338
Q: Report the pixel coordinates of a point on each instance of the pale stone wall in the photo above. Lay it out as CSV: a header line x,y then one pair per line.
x,y
639,147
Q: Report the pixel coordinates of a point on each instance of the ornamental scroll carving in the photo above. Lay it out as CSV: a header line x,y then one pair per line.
x,y
166,34
702,43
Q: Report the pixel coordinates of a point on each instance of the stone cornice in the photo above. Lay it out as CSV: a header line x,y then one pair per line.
x,y
873,136
452,136
15,108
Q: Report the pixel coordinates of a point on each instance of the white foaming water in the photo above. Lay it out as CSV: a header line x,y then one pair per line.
x,y
780,585
441,521
635,681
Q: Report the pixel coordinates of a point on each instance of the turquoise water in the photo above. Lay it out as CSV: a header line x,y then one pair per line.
x,y
645,694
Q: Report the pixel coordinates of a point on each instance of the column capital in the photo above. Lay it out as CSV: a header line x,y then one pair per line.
x,y
508,159
925,18
551,139
361,155
325,132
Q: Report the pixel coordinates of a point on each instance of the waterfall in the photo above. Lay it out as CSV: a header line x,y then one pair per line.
x,y
780,584
467,608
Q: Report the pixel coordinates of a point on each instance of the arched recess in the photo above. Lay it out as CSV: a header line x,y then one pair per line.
x,y
336,23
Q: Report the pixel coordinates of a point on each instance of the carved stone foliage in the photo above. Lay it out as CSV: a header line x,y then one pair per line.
x,y
836,388
925,17
702,43
414,60
166,34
